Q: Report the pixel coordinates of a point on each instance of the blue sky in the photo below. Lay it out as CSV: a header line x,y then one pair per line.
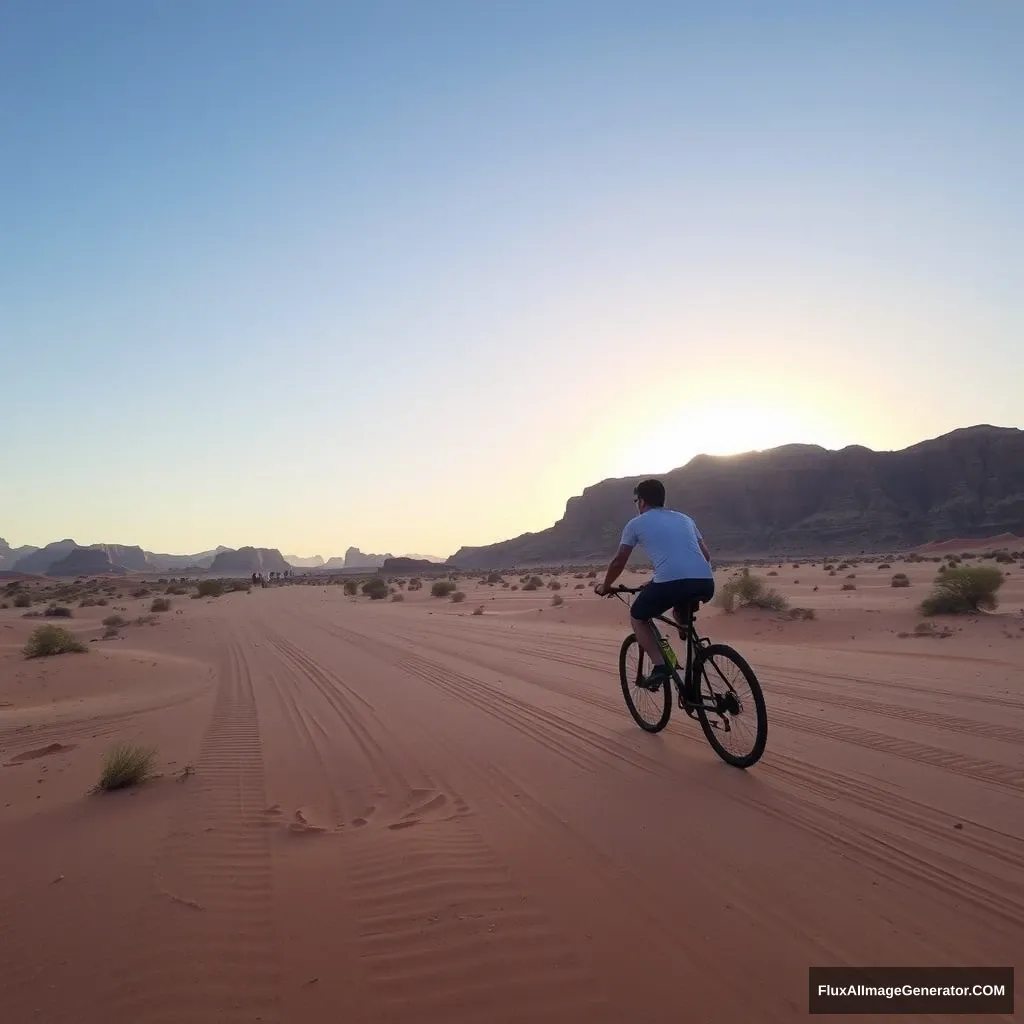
x,y
409,275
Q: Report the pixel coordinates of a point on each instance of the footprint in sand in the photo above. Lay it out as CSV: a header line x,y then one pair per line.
x,y
53,748
300,825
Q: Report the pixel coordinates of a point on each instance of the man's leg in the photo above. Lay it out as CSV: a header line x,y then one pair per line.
x,y
651,601
645,637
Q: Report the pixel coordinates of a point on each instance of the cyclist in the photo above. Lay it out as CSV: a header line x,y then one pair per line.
x,y
682,568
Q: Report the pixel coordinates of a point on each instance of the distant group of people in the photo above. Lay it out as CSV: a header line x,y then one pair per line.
x,y
259,580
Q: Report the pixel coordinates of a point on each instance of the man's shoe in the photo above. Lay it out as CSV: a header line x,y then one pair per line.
x,y
659,675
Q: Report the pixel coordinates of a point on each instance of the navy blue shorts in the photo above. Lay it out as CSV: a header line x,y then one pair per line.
x,y
657,598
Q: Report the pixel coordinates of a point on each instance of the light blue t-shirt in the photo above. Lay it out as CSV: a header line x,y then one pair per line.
x,y
669,539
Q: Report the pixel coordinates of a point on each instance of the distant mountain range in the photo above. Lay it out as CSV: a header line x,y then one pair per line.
x,y
797,499
68,558
802,499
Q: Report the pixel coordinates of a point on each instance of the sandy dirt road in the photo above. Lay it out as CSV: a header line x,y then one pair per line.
x,y
399,814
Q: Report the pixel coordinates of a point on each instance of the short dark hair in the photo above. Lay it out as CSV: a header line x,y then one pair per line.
x,y
651,492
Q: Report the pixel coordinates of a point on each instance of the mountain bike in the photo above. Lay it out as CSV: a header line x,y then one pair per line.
x,y
705,690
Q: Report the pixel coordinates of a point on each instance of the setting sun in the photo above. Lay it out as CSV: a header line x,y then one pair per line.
x,y
717,426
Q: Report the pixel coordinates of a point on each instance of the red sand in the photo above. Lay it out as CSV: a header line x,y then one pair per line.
x,y
405,812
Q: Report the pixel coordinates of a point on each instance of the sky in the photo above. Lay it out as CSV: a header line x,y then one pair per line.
x,y
407,276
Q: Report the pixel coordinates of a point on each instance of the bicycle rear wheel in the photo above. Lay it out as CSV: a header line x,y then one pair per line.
x,y
651,709
731,711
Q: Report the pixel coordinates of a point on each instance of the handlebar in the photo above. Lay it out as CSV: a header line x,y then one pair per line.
x,y
620,589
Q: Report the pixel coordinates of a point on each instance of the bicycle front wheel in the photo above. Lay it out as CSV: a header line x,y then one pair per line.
x,y
651,709
731,706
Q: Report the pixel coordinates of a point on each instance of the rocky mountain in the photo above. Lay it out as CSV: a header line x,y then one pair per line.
x,y
803,499
9,555
310,562
204,559
40,560
248,560
90,561
409,563
129,556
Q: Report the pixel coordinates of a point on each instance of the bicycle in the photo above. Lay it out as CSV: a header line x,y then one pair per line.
x,y
718,707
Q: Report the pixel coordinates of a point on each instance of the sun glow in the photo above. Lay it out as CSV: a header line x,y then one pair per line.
x,y
719,426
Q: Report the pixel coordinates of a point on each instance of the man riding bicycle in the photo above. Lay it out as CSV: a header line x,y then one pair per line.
x,y
682,568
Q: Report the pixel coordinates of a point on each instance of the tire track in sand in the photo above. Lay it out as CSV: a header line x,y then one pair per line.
x,y
900,712
990,772
445,933
206,952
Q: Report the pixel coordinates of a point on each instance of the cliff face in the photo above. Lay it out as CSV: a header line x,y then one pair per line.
x,y
410,565
248,560
90,561
803,499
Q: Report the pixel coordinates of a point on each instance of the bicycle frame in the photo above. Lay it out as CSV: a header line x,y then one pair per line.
x,y
694,642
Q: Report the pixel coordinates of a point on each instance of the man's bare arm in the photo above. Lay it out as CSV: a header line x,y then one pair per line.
x,y
617,564
704,549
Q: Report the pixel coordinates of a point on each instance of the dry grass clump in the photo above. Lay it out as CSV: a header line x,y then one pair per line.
x,y
23,601
351,587
398,596
209,588
49,640
802,613
115,621
747,590
478,610
555,585
376,588
458,597
442,588
848,586
126,765
58,611
160,604
900,579
557,600
530,585
964,590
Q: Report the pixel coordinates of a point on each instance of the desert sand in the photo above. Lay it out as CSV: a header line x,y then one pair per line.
x,y
402,811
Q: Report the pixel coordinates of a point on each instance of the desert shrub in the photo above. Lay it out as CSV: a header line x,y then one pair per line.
x,y
773,573
58,611
23,601
441,588
515,586
848,586
964,590
160,604
580,586
87,602
458,596
494,577
141,592
557,600
1003,557
592,575
555,585
398,596
530,586
113,621
103,602
536,581
210,588
884,565
747,590
175,591
109,634
376,588
48,640
126,765
900,580
802,613
478,610
351,587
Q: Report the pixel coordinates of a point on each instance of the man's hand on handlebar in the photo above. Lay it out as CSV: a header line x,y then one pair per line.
x,y
601,590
